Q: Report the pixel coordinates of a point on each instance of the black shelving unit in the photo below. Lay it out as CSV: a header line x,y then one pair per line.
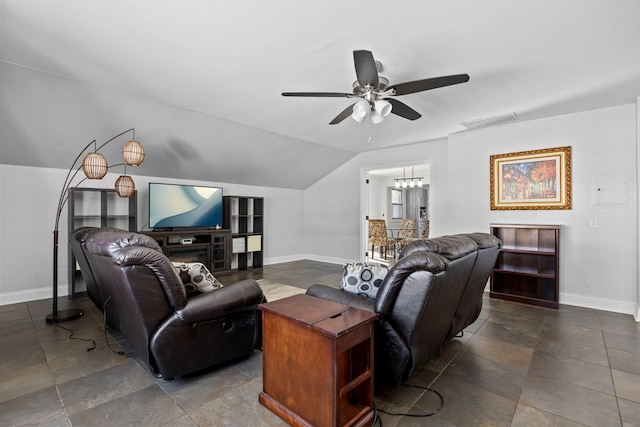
x,y
97,207
244,216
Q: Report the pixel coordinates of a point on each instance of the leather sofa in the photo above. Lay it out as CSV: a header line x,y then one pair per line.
x,y
430,293
144,298
470,303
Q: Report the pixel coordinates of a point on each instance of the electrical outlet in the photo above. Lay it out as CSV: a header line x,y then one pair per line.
x,y
593,223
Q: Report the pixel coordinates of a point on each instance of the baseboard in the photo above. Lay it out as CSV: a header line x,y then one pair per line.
x,y
604,304
31,295
330,260
281,259
301,257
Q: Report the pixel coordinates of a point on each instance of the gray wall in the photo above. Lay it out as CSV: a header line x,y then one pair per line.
x,y
598,265
28,201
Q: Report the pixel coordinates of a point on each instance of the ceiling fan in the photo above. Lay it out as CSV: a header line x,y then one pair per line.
x,y
376,94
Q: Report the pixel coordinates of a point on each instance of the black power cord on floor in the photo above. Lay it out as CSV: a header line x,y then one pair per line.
x,y
377,419
106,337
71,337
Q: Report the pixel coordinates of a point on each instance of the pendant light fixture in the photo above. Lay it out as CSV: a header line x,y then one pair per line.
x,y
405,182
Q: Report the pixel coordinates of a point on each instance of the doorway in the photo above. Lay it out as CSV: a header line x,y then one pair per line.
x,y
384,197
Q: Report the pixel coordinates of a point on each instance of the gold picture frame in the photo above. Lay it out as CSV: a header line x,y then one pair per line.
x,y
536,179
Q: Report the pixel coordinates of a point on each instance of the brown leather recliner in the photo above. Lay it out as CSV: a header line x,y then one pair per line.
x,y
77,239
418,303
145,299
470,303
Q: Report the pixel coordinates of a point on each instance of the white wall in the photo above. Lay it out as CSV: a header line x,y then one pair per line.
x,y
28,201
598,266
335,206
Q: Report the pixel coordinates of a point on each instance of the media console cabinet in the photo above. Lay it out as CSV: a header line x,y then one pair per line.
x,y
210,247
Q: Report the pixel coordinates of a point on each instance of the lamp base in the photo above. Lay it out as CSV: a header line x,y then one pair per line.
x,y
64,315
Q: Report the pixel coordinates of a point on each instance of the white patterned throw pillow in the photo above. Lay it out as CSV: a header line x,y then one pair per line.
x,y
196,277
362,278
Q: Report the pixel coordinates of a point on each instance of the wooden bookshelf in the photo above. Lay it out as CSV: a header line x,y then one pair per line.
x,y
528,265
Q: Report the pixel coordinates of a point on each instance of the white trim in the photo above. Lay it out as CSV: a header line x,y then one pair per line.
x,y
338,261
31,295
300,257
626,307
281,259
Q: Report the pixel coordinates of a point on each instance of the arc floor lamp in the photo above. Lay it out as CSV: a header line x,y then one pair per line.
x,y
94,166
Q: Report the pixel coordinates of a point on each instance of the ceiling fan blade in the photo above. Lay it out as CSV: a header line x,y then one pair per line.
x,y
320,94
403,110
427,84
366,68
340,117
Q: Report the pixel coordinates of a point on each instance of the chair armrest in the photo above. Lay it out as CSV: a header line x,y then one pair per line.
x,y
236,297
338,295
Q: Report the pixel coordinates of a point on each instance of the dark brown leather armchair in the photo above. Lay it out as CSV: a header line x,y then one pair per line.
x,y
418,303
145,299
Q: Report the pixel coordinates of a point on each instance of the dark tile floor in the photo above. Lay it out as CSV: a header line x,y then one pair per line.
x,y
516,366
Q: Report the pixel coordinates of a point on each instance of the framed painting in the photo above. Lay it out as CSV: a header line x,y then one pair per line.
x,y
537,179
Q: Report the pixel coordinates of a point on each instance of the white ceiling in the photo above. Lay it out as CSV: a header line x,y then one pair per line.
x,y
201,80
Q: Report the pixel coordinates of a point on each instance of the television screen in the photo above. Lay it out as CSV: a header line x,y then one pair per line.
x,y
176,205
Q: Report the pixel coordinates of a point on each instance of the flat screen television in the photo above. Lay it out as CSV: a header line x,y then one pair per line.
x,y
184,206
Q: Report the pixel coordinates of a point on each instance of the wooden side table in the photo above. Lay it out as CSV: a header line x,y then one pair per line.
x,y
317,362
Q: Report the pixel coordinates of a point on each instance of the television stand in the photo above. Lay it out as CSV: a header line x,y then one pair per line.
x,y
210,247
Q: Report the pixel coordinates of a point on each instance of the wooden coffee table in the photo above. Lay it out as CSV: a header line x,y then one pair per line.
x,y
317,362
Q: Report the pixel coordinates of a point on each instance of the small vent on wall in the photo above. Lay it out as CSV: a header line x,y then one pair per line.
x,y
489,121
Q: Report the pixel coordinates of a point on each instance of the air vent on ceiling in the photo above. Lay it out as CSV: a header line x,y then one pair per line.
x,y
489,121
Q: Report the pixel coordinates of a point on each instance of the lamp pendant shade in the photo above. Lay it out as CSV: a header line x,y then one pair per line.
x,y
94,166
125,186
133,153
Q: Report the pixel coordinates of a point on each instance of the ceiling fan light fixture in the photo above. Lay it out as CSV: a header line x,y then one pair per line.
x,y
360,110
383,107
376,117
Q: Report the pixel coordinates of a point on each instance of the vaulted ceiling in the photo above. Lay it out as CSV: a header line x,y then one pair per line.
x,y
201,81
